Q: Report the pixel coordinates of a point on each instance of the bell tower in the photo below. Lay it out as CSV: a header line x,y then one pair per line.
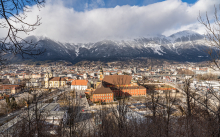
x,y
51,73
46,79
101,74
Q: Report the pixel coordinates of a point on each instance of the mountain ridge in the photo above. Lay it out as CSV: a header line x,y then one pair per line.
x,y
181,46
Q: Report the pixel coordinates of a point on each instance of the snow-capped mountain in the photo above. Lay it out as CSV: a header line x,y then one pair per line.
x,y
181,46
186,35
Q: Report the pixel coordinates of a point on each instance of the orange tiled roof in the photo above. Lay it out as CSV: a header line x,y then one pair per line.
x,y
79,82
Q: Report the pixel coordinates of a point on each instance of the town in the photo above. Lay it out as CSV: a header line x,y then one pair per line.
x,y
53,90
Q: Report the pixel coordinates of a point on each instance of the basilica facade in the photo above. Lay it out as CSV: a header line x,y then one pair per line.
x,y
54,82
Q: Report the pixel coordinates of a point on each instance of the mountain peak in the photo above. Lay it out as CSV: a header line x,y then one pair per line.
x,y
186,35
35,39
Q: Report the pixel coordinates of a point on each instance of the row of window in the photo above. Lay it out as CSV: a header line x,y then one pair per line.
x,y
134,89
57,83
104,98
104,95
133,92
119,94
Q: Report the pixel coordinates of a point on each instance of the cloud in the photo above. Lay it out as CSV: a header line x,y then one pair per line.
x,y
95,4
65,24
82,5
197,27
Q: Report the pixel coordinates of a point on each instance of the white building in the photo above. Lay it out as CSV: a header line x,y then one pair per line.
x,y
79,84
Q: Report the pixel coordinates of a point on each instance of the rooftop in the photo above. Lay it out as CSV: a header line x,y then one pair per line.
x,y
80,82
118,79
102,90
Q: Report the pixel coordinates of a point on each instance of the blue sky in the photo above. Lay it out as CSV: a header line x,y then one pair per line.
x,y
190,1
79,5
77,21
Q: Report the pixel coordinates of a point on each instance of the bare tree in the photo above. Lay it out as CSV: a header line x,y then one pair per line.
x,y
12,19
153,100
212,36
76,121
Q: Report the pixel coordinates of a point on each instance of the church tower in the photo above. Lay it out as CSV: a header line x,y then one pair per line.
x,y
46,79
51,73
101,74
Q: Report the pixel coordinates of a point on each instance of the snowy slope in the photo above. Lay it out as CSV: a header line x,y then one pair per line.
x,y
181,46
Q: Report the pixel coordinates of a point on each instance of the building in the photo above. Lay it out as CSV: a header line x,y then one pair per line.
x,y
57,82
79,84
129,91
12,88
135,70
117,80
122,85
54,82
33,83
37,75
103,94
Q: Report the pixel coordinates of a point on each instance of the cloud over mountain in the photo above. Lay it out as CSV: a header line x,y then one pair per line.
x,y
62,23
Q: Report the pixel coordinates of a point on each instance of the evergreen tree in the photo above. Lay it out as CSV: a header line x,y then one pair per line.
x,y
13,103
7,100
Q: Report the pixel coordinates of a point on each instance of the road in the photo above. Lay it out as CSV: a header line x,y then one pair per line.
x,y
86,114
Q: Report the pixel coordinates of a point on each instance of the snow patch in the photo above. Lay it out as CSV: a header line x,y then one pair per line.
x,y
157,49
